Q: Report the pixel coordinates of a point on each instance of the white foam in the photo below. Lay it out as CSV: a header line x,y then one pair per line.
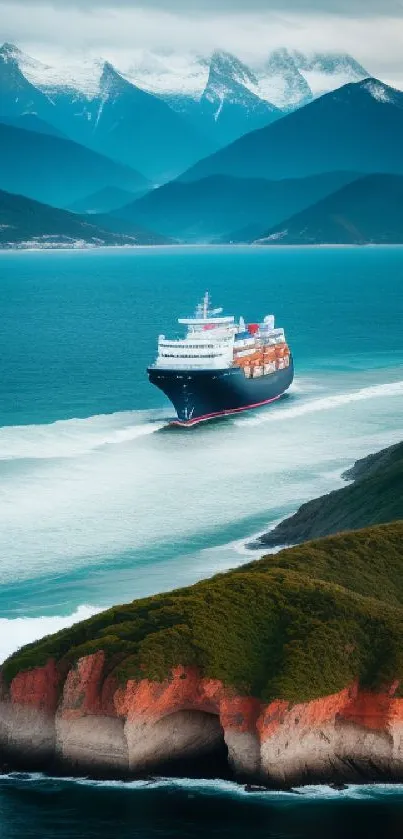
x,y
16,632
74,437
80,493
215,787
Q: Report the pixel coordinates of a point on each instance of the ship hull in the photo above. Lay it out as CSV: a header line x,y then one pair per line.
x,y
200,395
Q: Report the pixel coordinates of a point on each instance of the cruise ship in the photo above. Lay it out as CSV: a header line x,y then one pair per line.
x,y
222,365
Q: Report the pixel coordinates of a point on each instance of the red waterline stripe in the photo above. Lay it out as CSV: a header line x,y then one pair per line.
x,y
187,423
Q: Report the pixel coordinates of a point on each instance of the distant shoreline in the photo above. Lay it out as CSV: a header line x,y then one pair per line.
x,y
194,246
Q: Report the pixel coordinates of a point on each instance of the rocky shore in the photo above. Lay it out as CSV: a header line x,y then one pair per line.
x,y
374,497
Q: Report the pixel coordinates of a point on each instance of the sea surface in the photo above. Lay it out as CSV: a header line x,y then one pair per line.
x,y
101,502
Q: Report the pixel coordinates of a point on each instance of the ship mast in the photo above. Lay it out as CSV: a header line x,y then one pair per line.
x,y
206,302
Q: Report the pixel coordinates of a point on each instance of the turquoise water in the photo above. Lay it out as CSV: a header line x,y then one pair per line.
x,y
100,503
79,328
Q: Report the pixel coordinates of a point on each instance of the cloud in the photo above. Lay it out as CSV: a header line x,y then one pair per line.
x,y
350,8
369,29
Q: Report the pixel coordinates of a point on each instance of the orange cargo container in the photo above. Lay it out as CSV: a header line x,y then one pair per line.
x,y
270,353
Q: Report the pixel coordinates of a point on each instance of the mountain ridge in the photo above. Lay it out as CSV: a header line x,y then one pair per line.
x,y
133,125
222,98
57,170
25,223
231,100
214,207
118,119
366,211
358,127
179,74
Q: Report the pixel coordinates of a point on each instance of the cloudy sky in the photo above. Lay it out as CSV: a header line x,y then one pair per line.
x,y
372,30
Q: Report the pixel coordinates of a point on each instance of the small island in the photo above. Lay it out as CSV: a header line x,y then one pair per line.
x,y
285,671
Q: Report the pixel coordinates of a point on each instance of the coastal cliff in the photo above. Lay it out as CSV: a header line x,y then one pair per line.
x,y
374,497
291,666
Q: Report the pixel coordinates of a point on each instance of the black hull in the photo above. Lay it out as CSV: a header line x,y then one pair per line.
x,y
199,395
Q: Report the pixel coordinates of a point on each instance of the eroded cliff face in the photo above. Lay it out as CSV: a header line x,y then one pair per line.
x,y
86,721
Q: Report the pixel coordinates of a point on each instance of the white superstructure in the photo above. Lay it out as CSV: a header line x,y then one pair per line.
x,y
214,341
207,345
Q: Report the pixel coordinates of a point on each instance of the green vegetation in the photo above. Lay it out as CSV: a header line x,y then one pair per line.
x,y
375,497
296,625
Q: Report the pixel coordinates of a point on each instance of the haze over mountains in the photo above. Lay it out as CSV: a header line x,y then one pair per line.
x,y
205,149
56,170
216,206
368,210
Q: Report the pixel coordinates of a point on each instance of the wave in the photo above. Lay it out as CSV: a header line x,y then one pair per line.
x,y
213,787
74,437
325,403
16,632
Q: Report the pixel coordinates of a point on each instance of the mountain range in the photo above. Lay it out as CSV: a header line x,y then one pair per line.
x,y
213,149
123,112
214,207
230,104
120,120
357,127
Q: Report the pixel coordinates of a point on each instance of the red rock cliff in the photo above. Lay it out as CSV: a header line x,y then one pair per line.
x,y
133,727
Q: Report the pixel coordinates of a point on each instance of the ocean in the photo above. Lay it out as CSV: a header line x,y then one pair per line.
x,y
101,503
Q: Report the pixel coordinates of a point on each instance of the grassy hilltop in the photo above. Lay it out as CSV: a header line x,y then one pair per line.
x,y
298,625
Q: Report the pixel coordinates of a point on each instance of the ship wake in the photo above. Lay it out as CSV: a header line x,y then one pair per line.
x,y
325,403
75,437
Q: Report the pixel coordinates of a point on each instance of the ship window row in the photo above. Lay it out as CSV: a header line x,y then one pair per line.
x,y
183,355
195,346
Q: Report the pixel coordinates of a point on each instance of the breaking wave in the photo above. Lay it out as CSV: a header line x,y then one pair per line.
x,y
210,788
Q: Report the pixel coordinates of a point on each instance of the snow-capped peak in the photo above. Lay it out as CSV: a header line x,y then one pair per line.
x,y
83,75
285,78
330,63
168,75
9,52
281,82
382,92
328,71
232,82
110,78
231,69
